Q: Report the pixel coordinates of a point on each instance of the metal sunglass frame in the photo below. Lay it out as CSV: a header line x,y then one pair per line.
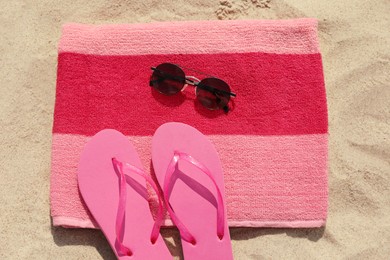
x,y
193,81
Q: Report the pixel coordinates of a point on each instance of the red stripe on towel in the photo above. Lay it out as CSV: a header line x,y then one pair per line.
x,y
276,94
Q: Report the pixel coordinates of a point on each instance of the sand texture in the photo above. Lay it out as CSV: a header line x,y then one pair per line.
x,y
355,43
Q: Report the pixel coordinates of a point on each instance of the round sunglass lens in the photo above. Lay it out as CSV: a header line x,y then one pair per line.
x,y
213,93
168,79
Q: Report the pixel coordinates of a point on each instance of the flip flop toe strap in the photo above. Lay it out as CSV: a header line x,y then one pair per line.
x,y
184,232
121,168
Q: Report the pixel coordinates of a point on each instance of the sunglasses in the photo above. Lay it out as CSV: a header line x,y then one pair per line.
x,y
213,93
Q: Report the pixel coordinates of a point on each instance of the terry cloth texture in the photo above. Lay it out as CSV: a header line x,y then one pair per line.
x,y
273,144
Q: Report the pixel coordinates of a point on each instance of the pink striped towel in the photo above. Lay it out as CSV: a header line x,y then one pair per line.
x,y
273,145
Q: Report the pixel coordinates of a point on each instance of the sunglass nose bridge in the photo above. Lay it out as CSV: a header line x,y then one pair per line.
x,y
190,80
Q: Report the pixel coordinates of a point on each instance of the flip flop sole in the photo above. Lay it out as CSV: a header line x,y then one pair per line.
x,y
193,196
99,187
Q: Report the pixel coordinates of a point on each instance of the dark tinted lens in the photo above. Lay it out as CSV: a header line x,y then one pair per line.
x,y
168,79
212,93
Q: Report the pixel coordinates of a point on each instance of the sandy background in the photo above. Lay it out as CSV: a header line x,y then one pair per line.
x,y
355,42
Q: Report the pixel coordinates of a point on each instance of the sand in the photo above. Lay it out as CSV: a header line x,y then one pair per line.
x,y
354,38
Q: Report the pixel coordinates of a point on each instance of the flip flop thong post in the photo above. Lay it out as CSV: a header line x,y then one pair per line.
x,y
113,186
190,175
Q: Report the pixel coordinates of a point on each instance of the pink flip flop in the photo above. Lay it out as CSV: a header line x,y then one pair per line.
x,y
189,172
112,184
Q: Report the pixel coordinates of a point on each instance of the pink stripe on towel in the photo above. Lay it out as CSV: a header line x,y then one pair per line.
x,y
286,175
284,37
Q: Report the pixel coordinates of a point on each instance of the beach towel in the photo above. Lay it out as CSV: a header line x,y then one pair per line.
x,y
273,144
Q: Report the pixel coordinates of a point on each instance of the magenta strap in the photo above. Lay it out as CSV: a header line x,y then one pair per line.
x,y
121,168
185,234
